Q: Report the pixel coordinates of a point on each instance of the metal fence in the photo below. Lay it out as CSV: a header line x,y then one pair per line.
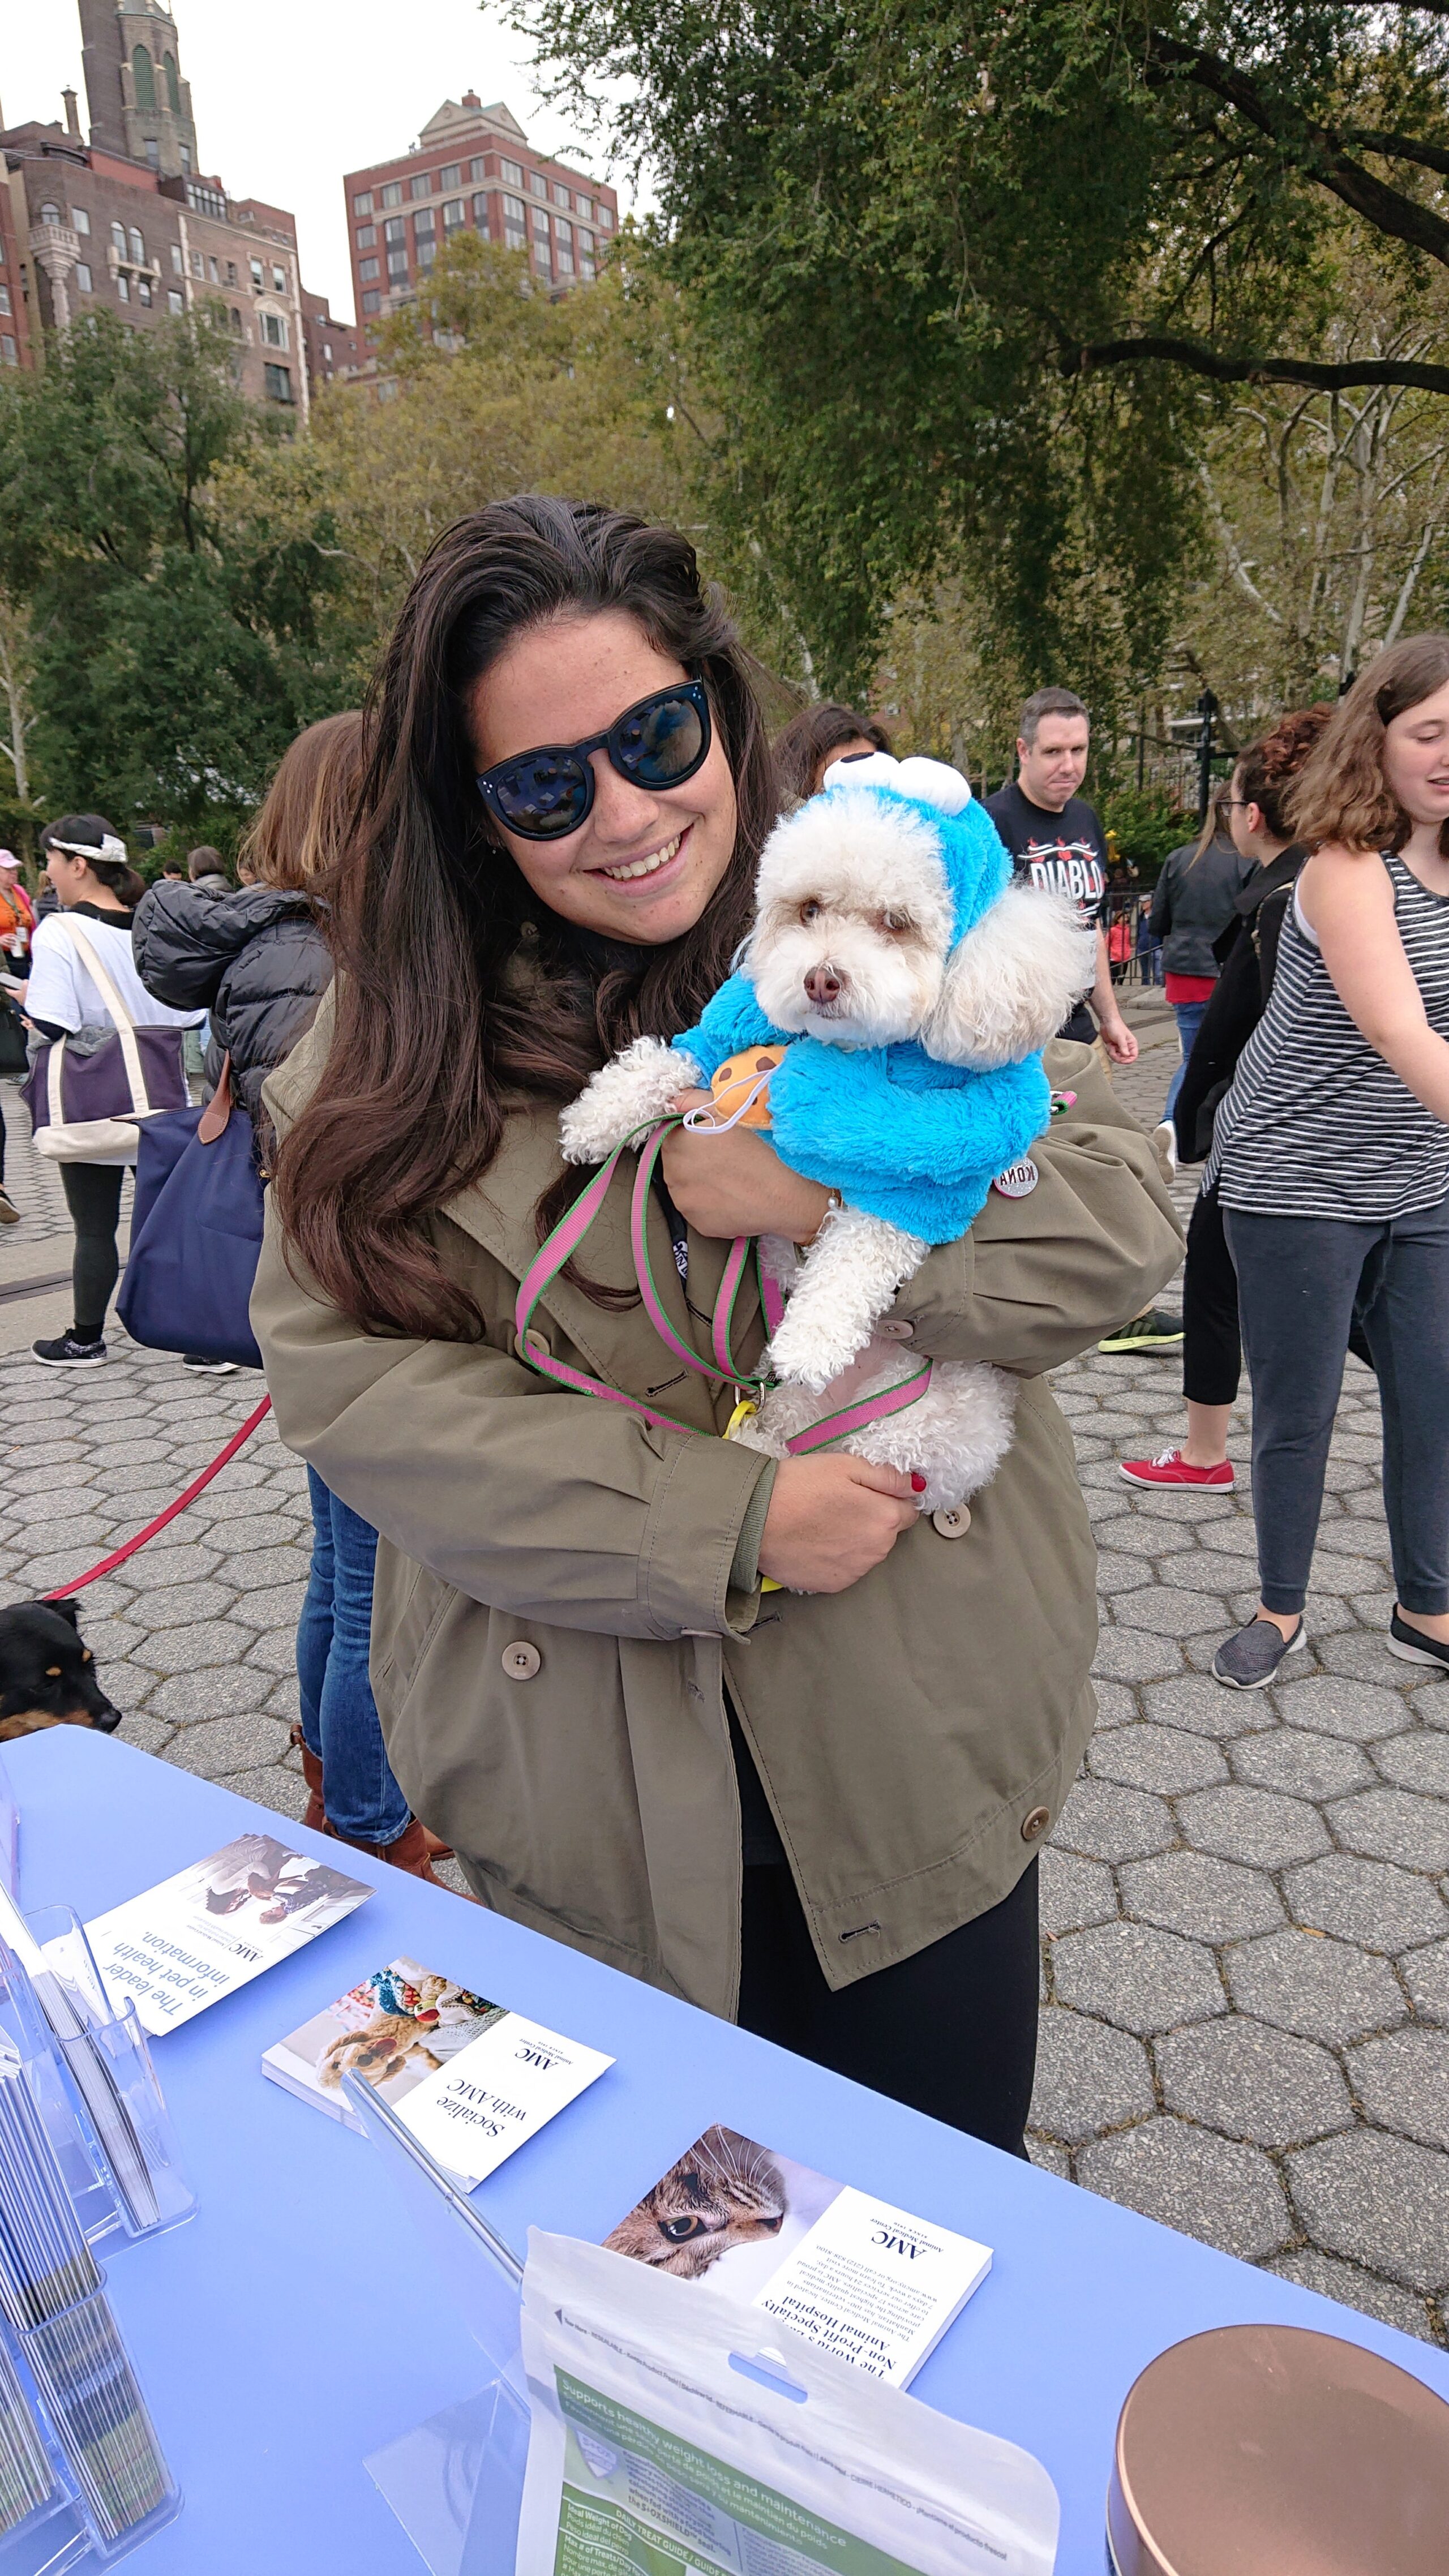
x,y
1133,955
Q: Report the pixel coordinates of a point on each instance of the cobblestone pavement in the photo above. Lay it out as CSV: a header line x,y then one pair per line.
x,y
1245,2028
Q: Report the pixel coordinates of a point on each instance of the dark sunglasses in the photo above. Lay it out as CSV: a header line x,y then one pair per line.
x,y
543,794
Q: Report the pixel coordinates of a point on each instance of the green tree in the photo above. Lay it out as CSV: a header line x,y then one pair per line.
x,y
173,652
977,272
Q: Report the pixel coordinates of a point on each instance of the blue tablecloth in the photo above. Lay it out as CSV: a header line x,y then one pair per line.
x,y
292,2327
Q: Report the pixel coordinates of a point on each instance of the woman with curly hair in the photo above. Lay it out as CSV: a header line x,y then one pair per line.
x,y
1247,953
1331,1156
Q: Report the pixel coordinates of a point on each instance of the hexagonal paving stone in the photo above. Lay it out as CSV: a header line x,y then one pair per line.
x,y
1355,2288
1167,1611
1117,1574
1416,1761
1124,1656
1136,1977
1048,2155
1300,1763
182,1604
1254,1825
1321,1989
1403,2083
1088,2077
1381,2201
1252,2082
227,1744
1426,1974
273,1786
1392,1824
1213,2188
1116,1705
1335,1705
1202,1705
1108,1823
228,1690
1212,1900
1367,1901
1163,1758
1074,1892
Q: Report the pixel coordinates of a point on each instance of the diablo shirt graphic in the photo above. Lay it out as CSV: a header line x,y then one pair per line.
x,y
1066,854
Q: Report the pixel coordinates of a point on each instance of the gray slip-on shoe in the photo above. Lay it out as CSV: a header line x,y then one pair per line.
x,y
1250,1659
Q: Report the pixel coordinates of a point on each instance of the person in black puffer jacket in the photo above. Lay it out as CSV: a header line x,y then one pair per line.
x,y
259,962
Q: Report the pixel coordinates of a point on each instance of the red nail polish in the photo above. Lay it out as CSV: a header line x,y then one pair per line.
x,y
919,1483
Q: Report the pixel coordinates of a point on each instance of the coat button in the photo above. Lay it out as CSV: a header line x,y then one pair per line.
x,y
952,1524
1035,1825
521,1661
536,1341
894,1328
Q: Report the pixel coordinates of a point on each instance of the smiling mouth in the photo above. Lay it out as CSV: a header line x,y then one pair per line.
x,y
635,868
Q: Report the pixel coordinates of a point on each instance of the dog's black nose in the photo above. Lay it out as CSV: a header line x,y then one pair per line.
x,y
107,1717
823,984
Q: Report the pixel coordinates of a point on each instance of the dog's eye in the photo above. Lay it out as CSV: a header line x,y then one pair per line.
x,y
895,921
810,911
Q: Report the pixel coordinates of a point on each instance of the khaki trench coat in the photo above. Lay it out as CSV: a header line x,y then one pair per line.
x,y
554,1620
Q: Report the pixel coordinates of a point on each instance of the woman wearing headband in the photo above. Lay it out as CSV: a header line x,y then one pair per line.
x,y
85,860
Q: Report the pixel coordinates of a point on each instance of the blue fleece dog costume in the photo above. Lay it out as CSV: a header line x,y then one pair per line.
x,y
901,1134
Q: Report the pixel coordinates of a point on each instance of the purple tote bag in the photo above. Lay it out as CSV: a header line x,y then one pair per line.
x,y
88,1108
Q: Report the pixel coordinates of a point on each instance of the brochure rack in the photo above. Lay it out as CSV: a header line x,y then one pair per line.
x,y
82,2476
137,2186
456,2482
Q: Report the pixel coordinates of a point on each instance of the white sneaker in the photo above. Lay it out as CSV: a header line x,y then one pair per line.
x,y
1164,1141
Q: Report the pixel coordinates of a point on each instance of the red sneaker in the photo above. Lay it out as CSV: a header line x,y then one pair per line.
x,y
1169,1467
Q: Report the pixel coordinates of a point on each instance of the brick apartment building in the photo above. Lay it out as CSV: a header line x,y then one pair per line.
x,y
127,221
471,166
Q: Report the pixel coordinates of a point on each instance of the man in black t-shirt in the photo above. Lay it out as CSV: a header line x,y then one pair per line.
x,y
1054,839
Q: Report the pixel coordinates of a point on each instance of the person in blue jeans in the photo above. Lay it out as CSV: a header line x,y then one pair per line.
x,y
339,1716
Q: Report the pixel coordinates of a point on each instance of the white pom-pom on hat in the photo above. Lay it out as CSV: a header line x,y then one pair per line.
x,y
930,782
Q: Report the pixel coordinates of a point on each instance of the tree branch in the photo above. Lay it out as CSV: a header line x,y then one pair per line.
x,y
1400,147
1083,360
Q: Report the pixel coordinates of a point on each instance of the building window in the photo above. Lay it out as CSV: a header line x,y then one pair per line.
x,y
138,248
185,152
541,259
143,289
512,172
451,177
392,193
606,219
123,287
564,232
9,354
368,268
118,240
177,265
513,210
538,183
274,330
540,224
372,301
143,75
236,323
50,214
327,351
231,272
173,93
278,382
586,244
422,184
427,252
480,212
423,222
395,230
4,299
362,204
258,281
175,300
80,219
564,261
561,196
213,272
198,264
279,281
586,265
397,268
366,236
453,214
83,277
477,170
153,152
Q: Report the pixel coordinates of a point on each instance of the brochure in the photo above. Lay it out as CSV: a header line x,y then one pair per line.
x,y
469,2079
215,1926
842,2268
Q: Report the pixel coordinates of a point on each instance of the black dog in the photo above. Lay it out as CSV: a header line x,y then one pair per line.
x,y
47,1677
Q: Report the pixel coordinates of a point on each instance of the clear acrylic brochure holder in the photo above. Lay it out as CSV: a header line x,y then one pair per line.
x,y
456,2482
83,2480
9,1836
135,2183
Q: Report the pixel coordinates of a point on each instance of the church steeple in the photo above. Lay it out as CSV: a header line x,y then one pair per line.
x,y
139,104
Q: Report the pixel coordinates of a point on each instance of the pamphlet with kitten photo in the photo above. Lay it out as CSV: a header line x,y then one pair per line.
x,y
469,2078
840,2267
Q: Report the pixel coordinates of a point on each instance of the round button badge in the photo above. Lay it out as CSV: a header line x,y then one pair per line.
x,y
1018,1180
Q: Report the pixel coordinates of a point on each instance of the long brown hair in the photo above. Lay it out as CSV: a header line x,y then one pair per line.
x,y
1267,772
434,1029
1343,795
812,735
307,812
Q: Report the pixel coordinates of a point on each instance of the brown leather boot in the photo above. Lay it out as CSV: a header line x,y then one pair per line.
x,y
316,1813
409,1852
437,1848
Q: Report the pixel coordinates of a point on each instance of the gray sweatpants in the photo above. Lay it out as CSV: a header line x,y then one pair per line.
x,y
1298,1278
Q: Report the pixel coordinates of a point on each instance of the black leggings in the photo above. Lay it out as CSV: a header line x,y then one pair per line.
x,y
93,1196
1212,1349
951,2031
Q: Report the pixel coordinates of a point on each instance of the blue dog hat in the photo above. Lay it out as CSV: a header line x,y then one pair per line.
x,y
974,865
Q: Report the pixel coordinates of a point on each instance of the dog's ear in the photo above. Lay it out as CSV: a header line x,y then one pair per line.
x,y
64,1610
1011,981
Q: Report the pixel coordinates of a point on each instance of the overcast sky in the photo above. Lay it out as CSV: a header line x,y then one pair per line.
x,y
287,94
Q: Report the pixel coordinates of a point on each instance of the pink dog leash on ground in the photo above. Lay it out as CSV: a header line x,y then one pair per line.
x,y
564,1242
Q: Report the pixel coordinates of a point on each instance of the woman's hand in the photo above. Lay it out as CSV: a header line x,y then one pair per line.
x,y
736,1184
831,1519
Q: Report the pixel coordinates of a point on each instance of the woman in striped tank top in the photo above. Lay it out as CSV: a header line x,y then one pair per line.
x,y
1331,1157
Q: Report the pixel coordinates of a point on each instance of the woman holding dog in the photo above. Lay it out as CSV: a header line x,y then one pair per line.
x,y
815,1808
